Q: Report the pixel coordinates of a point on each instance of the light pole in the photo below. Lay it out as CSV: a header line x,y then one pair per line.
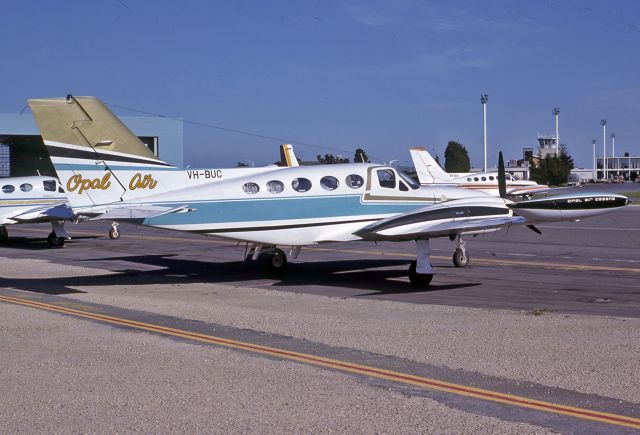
x,y
613,150
556,112
483,99
603,123
595,169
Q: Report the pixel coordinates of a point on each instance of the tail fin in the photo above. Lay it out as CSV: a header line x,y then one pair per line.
x,y
96,156
287,156
427,168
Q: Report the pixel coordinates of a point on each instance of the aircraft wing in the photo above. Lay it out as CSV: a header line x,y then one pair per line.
x,y
451,217
45,214
488,214
528,190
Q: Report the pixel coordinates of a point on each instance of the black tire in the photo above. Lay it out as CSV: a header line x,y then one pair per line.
x,y
114,234
460,259
4,234
277,261
419,279
54,241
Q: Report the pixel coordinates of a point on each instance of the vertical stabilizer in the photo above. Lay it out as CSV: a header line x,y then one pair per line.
x,y
287,156
427,168
97,158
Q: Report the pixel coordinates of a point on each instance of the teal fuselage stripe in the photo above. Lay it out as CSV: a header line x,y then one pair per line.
x,y
284,209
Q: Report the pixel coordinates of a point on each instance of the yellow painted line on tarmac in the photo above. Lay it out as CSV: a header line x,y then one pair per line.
x,y
488,261
344,366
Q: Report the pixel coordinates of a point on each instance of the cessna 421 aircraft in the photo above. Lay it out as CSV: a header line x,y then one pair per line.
x,y
109,174
33,200
430,172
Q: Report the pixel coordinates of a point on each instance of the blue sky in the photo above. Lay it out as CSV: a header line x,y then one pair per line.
x,y
382,75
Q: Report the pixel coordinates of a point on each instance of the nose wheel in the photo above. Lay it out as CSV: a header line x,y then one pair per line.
x,y
114,234
460,256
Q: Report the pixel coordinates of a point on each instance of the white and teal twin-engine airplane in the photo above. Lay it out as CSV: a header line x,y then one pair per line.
x,y
34,199
109,174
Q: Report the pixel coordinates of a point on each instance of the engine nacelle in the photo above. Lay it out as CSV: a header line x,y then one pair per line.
x,y
568,206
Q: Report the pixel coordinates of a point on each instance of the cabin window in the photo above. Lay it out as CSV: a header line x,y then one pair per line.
x,y
301,184
387,178
476,179
469,179
328,182
491,177
250,188
49,185
403,186
275,186
26,187
8,188
484,178
60,189
354,181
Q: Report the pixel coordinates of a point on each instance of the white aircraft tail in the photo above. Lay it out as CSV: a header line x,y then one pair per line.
x,y
97,158
427,168
287,156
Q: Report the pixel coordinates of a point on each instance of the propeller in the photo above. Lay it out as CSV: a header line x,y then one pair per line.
x,y
534,229
502,187
502,180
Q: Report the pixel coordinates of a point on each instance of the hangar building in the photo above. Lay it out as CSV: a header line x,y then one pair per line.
x,y
23,153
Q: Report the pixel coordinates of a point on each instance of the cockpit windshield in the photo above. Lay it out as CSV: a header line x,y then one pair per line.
x,y
410,181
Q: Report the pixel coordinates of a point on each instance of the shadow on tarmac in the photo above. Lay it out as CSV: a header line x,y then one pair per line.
x,y
351,274
36,244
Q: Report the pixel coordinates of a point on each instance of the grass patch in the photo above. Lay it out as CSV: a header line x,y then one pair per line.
x,y
632,195
541,311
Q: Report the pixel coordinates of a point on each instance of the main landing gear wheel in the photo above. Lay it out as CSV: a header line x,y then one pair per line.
x,y
277,261
54,241
419,279
4,234
460,258
114,234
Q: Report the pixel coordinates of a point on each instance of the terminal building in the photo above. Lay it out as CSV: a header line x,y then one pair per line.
x,y
617,168
22,151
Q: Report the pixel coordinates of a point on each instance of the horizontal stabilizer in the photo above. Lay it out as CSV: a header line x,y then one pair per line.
x,y
140,213
45,214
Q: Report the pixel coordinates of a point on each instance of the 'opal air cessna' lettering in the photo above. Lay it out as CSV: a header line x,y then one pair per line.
x,y
34,199
430,172
110,174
